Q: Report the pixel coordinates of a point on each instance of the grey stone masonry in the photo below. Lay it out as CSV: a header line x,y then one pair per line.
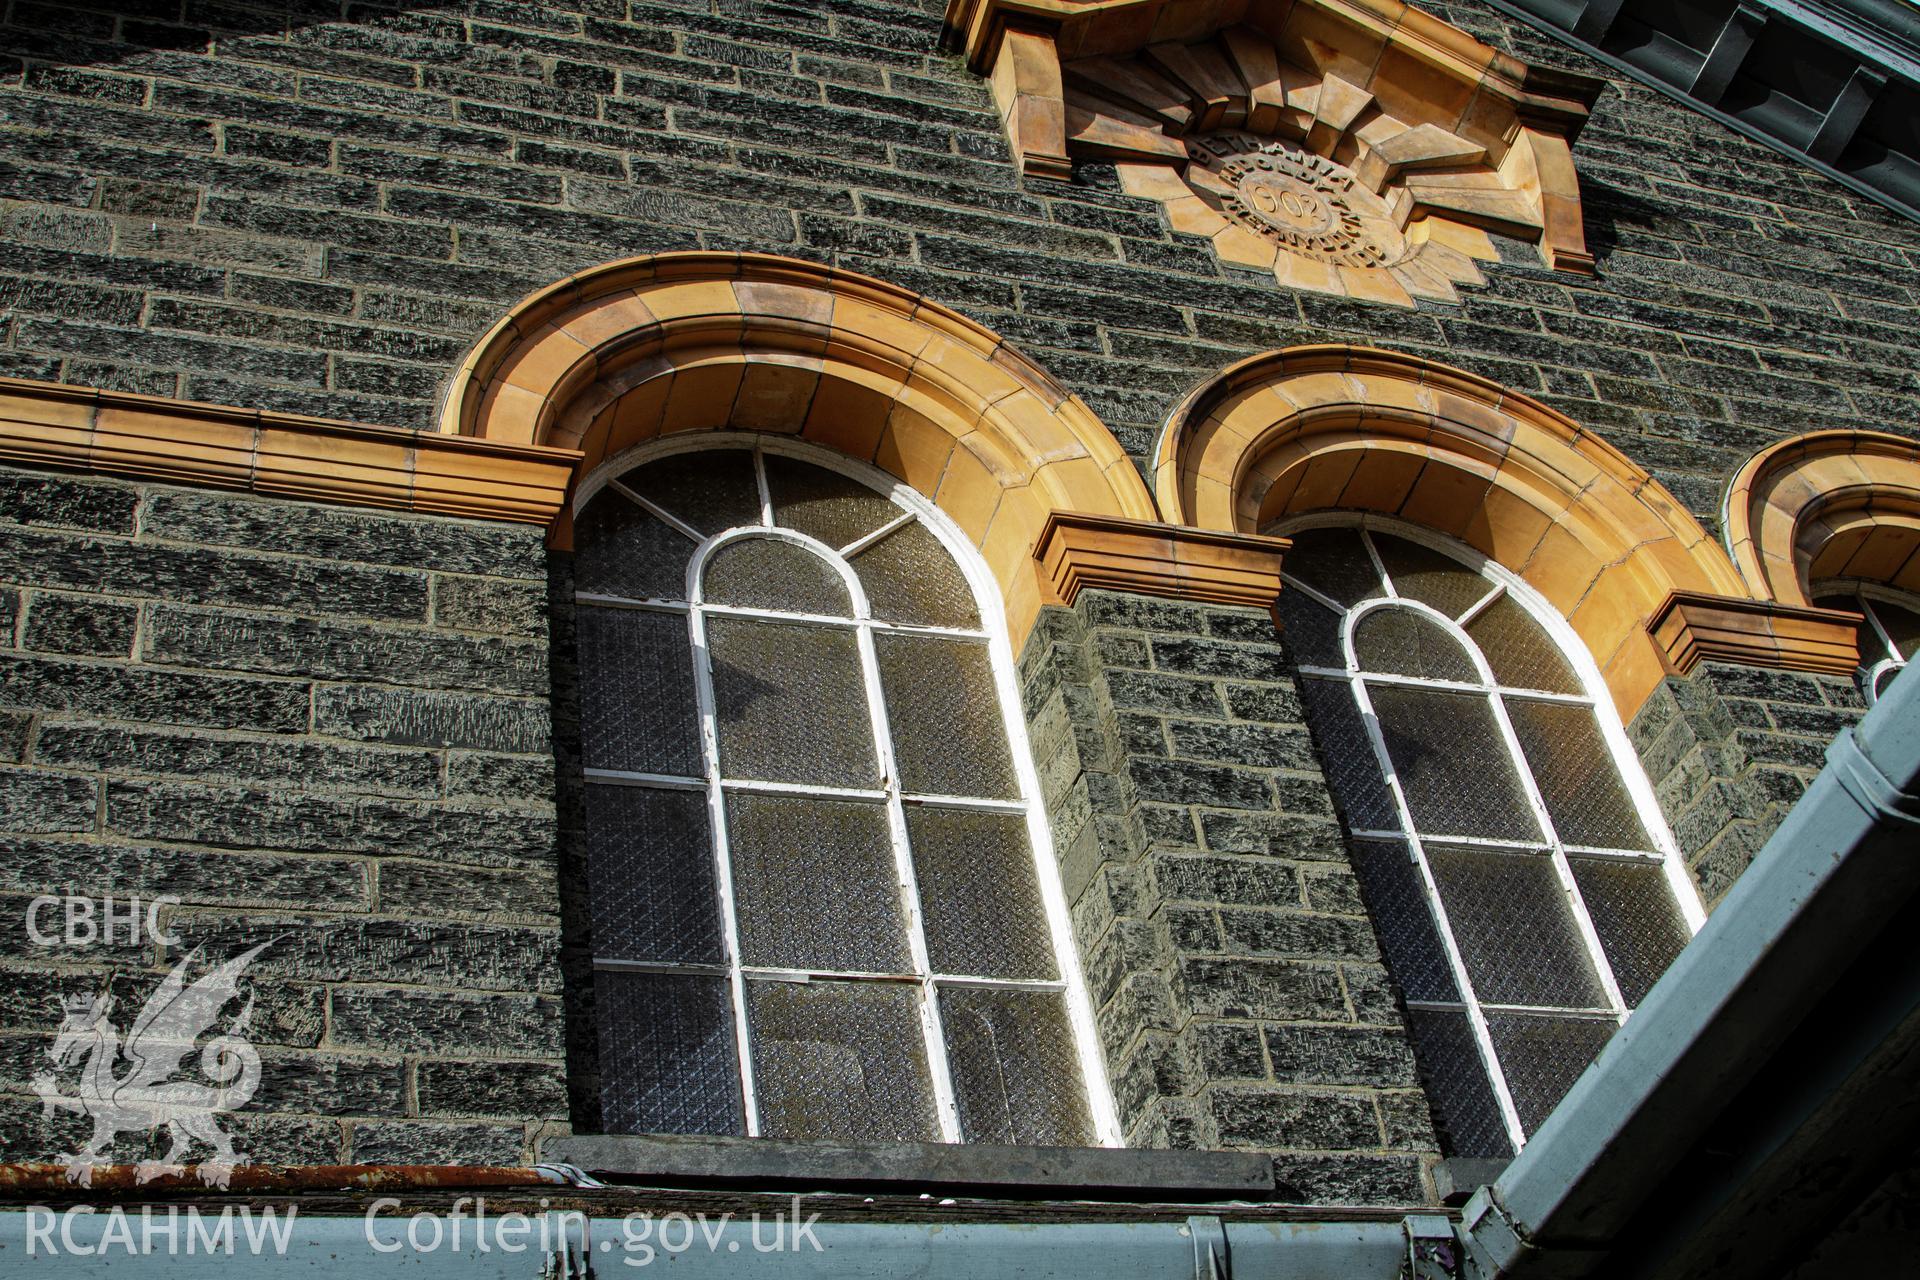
x,y
319,207
1729,750
321,729
1239,990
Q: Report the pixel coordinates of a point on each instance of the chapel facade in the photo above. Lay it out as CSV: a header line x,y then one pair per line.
x,y
1234,578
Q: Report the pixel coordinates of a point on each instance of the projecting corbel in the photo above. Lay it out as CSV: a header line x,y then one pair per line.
x,y
1729,51
1540,164
1027,89
1856,98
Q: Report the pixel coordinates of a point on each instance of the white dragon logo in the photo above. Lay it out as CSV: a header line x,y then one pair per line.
x,y
145,1097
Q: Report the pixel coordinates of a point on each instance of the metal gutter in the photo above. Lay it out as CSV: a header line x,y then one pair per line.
x,y
1783,1038
382,1241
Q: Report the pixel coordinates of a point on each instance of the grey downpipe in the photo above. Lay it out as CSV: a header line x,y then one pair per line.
x,y
1842,863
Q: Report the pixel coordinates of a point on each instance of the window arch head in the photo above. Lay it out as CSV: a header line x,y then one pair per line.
x,y
1524,889
819,905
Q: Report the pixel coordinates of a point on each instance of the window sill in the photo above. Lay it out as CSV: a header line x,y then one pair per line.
x,y
1086,1172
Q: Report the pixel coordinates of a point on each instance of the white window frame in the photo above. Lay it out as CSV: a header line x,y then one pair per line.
x,y
986,597
1594,695
1864,593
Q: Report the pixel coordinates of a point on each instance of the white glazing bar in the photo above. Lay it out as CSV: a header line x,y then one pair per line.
x,y
760,482
1451,686
975,803
843,622
861,543
1562,869
1435,837
946,1105
820,790
1586,1013
1879,629
1481,605
1476,1020
1541,1010
1379,565
629,778
627,602
1017,984
657,511
777,973
661,966
1600,853
723,865
1323,600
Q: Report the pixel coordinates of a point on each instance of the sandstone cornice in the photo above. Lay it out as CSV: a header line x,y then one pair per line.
x,y
286,455
1078,551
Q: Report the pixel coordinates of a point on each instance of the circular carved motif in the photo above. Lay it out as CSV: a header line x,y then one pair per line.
x,y
1305,203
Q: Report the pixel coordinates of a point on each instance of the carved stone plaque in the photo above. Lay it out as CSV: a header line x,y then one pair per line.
x,y
1304,203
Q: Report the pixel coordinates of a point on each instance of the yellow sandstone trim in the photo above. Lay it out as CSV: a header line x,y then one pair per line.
x,y
1828,504
1341,427
284,455
1080,552
1691,628
647,347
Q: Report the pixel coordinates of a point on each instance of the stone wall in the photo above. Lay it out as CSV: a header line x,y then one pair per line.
x,y
1238,987
1729,750
320,729
281,208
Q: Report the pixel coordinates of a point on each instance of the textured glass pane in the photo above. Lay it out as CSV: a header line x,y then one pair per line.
x,y
944,710
622,550
824,504
841,1060
766,573
1016,1075
980,894
790,704
667,1059
1514,928
650,865
637,708
1334,563
1397,902
1455,1078
1640,925
815,884
1346,753
1309,629
1452,763
1423,574
712,490
1576,775
1541,1057
1402,642
909,577
1518,649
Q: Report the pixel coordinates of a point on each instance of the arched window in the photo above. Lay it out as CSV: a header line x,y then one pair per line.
x,y
1523,887
1889,628
816,904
